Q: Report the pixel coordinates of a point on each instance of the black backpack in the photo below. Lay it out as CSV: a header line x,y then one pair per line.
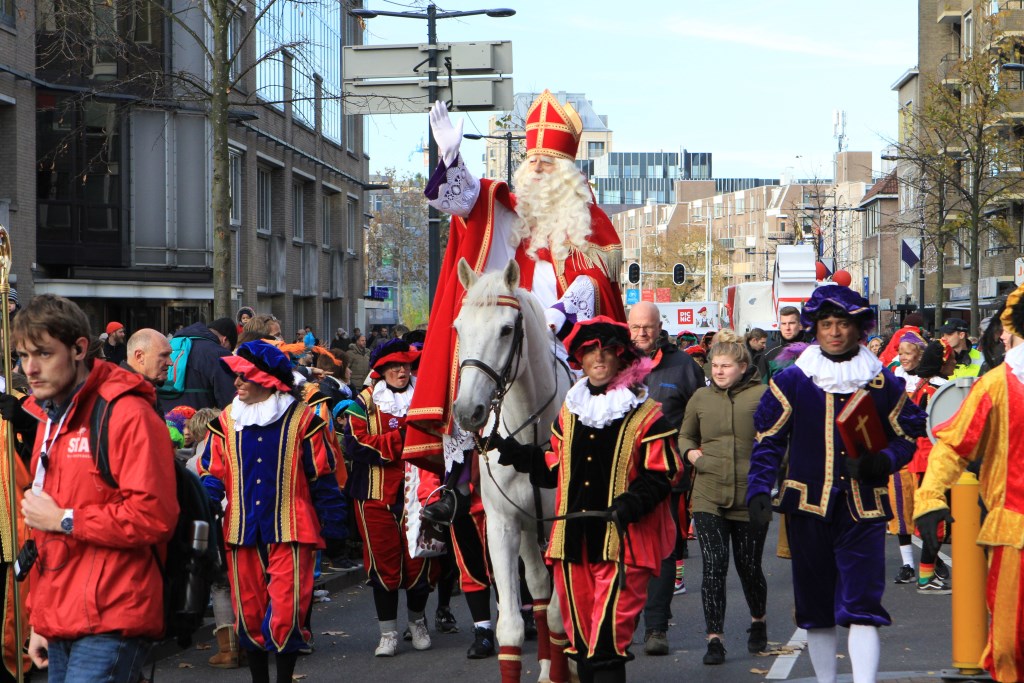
x,y
183,613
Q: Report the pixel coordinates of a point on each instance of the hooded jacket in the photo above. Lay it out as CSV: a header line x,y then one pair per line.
x,y
720,422
359,361
104,578
208,384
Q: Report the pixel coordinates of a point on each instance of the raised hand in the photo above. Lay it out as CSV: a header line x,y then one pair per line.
x,y
447,136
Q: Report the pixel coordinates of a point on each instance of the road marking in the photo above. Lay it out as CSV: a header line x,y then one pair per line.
x,y
784,663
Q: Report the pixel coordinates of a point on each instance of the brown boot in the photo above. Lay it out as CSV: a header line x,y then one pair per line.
x,y
227,642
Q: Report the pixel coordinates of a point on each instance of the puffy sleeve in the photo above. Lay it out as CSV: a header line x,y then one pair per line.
x,y
959,441
211,462
773,423
318,458
453,189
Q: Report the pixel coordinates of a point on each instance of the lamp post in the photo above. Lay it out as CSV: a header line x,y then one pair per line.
x,y
508,137
431,16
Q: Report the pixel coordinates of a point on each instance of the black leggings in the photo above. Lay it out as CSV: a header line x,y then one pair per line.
x,y
713,533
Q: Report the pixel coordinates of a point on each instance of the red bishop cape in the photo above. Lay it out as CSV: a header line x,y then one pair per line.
x,y
437,379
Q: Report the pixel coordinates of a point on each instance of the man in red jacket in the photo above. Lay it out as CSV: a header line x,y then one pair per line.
x,y
97,600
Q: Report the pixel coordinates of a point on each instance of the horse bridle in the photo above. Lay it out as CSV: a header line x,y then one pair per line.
x,y
502,380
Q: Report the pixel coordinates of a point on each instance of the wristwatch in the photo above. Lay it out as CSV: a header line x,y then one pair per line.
x,y
67,522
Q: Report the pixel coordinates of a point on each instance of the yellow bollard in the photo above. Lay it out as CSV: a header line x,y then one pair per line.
x,y
970,614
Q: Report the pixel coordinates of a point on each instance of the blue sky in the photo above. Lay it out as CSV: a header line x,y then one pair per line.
x,y
755,83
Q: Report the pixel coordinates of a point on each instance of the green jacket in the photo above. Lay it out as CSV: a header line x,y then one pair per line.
x,y
721,424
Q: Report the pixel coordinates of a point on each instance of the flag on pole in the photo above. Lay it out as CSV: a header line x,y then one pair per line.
x,y
908,255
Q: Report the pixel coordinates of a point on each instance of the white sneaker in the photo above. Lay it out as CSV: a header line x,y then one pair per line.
x,y
420,634
388,646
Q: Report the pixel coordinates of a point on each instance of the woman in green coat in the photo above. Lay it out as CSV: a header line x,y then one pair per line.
x,y
717,437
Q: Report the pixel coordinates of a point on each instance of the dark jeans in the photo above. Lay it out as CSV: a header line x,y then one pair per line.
x,y
107,658
660,589
714,534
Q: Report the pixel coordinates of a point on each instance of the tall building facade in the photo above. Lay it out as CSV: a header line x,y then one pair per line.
x,y
123,150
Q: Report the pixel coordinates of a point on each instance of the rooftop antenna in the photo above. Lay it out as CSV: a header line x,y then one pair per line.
x,y
839,129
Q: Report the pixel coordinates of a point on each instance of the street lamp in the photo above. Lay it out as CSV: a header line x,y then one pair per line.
x,y
508,137
431,16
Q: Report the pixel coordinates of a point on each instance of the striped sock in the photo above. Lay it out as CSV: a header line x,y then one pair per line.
x,y
925,573
680,569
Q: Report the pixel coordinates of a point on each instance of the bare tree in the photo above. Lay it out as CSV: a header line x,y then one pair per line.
x,y
965,155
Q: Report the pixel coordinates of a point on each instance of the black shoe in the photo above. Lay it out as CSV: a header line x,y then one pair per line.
x,y
444,621
941,569
483,644
716,653
529,625
906,574
757,641
443,511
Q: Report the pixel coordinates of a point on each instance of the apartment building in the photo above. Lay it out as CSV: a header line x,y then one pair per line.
x,y
124,150
886,276
949,31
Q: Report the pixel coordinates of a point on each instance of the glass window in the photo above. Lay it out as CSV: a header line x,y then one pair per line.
x,y
264,198
235,185
595,149
235,34
325,220
352,225
297,211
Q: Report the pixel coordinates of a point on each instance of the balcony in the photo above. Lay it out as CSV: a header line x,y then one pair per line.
x,y
781,236
949,12
949,70
1008,21
727,243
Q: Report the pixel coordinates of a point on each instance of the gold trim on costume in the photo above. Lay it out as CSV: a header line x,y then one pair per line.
x,y
787,410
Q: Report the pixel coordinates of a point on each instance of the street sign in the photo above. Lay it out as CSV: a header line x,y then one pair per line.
x,y
632,296
647,295
1018,271
663,295
392,79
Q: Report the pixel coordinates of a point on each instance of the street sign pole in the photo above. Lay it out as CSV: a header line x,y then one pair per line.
x,y
433,215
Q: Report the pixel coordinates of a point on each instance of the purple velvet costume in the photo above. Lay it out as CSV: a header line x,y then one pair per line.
x,y
836,526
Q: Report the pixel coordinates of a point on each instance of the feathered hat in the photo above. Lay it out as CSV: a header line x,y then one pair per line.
x,y
1013,315
262,363
552,129
840,301
604,333
392,351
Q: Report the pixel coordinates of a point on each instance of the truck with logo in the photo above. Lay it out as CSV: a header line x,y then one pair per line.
x,y
756,304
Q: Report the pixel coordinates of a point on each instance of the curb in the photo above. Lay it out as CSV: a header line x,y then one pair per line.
x,y
333,583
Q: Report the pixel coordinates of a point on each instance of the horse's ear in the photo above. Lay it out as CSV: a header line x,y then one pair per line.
x,y
511,275
466,275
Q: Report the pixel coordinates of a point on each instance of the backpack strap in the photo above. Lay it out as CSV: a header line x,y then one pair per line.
x,y
99,438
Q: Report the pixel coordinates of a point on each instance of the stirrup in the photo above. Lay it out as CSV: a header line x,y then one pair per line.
x,y
447,513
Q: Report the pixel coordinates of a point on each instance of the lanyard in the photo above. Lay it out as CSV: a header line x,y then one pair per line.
x,y
44,459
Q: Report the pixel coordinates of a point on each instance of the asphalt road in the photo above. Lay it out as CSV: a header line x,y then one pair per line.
x,y
916,646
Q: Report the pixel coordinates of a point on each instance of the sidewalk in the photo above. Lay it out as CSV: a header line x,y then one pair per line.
x,y
910,677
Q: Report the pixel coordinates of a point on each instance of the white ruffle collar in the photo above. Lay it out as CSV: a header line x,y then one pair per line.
x,y
260,414
1014,360
600,410
912,380
839,378
390,402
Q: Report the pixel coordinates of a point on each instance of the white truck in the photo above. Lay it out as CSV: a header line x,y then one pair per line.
x,y
756,304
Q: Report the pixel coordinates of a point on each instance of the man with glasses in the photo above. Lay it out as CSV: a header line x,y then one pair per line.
x,y
672,382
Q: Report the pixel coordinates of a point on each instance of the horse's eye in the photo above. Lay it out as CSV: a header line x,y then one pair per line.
x,y
506,330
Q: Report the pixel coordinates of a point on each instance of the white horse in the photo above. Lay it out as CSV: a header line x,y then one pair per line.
x,y
508,362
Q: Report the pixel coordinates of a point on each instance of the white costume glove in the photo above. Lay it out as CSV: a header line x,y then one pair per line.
x,y
447,136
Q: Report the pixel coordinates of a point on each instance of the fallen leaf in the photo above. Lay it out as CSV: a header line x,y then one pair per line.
x,y
203,646
185,665
334,633
759,672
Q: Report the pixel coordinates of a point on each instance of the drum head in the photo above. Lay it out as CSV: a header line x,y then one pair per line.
x,y
946,401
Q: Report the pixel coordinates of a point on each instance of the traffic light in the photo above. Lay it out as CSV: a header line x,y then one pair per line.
x,y
633,273
678,274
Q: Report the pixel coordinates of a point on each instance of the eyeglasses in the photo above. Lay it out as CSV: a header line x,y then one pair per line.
x,y
644,328
241,376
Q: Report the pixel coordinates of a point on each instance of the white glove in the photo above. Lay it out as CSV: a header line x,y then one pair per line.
x,y
447,136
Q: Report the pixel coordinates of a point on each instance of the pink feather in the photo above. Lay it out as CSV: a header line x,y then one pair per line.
x,y
634,374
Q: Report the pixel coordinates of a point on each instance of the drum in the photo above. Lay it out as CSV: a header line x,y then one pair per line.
x,y
946,401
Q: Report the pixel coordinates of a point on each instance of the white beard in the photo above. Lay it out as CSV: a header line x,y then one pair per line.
x,y
554,211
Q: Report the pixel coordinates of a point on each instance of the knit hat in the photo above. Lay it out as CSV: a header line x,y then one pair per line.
x,y
13,296
226,327
178,416
113,327
262,363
